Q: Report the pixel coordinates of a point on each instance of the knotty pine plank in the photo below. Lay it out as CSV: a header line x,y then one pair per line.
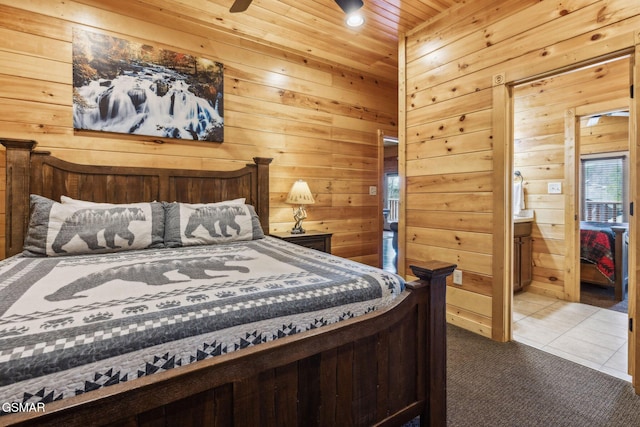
x,y
468,261
464,221
463,240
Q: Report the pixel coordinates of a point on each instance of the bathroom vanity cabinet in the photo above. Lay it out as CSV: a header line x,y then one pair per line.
x,y
522,255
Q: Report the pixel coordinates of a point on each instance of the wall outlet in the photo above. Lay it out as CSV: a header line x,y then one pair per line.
x,y
373,190
457,277
554,188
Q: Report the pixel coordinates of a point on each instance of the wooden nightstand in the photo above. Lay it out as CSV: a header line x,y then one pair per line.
x,y
318,240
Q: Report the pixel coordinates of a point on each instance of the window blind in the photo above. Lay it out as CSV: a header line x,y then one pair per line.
x,y
603,189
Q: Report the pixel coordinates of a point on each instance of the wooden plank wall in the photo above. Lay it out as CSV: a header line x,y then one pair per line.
x,y
539,154
453,164
318,120
609,134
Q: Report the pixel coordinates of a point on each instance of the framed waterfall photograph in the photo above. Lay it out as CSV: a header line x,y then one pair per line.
x,y
134,88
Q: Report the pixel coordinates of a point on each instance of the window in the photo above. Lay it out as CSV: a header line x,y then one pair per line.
x,y
392,195
604,188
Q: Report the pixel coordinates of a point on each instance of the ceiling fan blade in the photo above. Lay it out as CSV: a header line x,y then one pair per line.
x,y
240,6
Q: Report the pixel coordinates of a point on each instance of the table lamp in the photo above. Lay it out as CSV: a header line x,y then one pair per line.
x,y
300,195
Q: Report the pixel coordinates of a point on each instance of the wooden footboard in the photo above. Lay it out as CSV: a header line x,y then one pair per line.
x,y
589,273
384,368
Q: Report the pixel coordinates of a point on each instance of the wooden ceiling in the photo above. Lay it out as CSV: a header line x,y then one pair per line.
x,y
311,28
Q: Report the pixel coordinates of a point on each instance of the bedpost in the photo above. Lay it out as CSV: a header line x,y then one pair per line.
x,y
18,165
262,208
620,252
434,275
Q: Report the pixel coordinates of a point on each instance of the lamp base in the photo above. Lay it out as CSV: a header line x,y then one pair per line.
x,y
297,230
299,214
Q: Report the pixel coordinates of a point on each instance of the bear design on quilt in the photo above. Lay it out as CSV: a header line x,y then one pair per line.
x,y
87,223
208,216
151,273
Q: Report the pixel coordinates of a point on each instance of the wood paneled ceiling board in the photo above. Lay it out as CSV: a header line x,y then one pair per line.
x,y
314,29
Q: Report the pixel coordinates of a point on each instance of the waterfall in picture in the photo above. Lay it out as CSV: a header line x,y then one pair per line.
x,y
149,100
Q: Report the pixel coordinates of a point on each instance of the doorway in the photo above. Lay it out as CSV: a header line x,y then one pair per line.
x,y
391,205
603,200
547,138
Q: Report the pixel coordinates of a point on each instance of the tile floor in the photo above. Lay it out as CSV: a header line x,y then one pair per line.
x,y
588,335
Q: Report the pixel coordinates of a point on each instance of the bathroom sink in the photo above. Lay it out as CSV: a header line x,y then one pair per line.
x,y
518,219
525,215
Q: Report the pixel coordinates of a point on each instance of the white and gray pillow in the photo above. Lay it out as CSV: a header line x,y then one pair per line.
x,y
188,224
85,227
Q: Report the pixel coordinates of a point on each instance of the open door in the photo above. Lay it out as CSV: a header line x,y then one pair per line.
x,y
634,187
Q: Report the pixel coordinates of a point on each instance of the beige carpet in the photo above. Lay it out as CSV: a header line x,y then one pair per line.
x,y
511,384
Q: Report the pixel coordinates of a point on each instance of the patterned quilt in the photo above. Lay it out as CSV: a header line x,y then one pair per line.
x,y
597,245
69,325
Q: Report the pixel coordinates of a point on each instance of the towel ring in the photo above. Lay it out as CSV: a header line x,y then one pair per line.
x,y
517,174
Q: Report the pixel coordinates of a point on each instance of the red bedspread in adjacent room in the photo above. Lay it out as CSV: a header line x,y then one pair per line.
x,y
596,247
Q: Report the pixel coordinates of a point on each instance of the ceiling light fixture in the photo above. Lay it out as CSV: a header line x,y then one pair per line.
x,y
354,20
349,6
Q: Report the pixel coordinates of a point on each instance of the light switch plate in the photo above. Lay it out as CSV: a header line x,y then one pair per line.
x,y
373,190
554,188
457,277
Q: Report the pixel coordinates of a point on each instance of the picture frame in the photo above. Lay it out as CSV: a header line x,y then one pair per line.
x,y
135,88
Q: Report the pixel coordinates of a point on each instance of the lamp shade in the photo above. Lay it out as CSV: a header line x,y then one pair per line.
x,y
300,194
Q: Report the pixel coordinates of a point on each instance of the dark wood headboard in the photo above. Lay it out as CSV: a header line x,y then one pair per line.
x,y
34,172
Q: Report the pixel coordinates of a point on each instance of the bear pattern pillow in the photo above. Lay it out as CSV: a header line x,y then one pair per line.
x,y
189,224
85,228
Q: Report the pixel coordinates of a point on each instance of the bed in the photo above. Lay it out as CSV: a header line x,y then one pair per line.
x,y
603,256
378,360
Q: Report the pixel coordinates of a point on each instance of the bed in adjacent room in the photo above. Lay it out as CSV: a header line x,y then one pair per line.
x,y
603,256
137,296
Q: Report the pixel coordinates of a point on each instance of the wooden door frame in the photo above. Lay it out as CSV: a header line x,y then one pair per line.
x,y
572,186
503,227
634,233
382,189
380,197
572,202
502,269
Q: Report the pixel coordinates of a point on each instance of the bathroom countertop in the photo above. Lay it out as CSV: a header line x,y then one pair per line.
x,y
525,215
